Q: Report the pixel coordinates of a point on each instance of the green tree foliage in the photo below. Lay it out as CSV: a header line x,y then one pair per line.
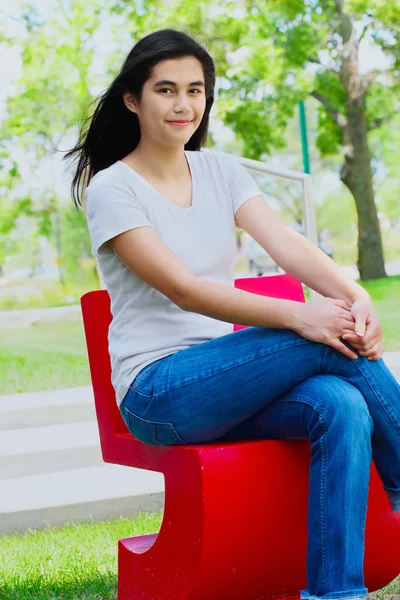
x,y
385,143
75,242
51,99
298,49
52,93
272,54
269,55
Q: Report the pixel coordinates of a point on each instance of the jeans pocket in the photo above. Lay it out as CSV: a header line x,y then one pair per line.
x,y
143,383
151,432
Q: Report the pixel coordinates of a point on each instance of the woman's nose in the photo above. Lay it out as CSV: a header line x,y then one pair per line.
x,y
182,101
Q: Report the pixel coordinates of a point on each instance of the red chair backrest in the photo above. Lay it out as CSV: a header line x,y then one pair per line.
x,y
274,286
97,318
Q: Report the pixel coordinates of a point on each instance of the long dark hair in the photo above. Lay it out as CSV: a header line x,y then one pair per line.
x,y
113,131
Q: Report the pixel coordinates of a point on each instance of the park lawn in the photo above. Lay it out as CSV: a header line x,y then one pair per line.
x,y
79,561
53,355
43,357
385,294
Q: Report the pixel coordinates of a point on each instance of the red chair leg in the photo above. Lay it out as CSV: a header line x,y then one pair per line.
x,y
215,541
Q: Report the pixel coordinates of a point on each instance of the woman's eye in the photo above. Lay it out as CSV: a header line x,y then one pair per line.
x,y
168,90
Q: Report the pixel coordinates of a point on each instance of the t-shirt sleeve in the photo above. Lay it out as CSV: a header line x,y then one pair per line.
x,y
111,208
241,184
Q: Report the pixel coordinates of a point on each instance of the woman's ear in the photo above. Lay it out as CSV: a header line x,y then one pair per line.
x,y
129,101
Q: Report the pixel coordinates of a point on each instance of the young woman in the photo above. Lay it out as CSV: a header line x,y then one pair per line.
x,y
161,215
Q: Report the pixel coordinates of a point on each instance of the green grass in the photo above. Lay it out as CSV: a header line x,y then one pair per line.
x,y
77,562
43,357
385,294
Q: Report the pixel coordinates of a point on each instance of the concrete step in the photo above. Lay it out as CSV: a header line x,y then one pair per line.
x,y
38,450
56,498
13,319
51,469
392,361
40,409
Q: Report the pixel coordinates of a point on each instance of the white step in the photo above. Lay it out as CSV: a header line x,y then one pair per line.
x,y
10,319
38,409
53,448
51,469
392,361
101,492
47,439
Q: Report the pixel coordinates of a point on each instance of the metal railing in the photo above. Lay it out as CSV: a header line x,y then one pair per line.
x,y
310,224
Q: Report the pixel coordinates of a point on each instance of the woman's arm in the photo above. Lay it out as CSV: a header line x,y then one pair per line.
x,y
324,321
295,253
142,251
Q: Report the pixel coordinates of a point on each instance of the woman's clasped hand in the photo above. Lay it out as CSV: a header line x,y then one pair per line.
x,y
368,336
330,320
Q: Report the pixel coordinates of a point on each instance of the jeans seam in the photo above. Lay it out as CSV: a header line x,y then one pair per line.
x,y
334,596
133,389
322,444
323,510
300,342
395,490
365,375
153,425
367,379
136,381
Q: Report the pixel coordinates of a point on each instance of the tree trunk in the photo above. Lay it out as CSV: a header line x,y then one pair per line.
x,y
356,173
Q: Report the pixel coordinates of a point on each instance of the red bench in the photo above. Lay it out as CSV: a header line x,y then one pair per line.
x,y
235,517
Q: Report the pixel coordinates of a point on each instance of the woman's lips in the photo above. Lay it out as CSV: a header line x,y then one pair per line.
x,y
179,123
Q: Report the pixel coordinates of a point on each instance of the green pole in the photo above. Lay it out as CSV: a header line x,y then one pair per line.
x,y
304,142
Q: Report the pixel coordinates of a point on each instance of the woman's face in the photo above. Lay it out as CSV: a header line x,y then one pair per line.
x,y
182,99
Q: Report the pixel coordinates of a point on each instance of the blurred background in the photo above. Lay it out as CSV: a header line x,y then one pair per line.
x,y
301,85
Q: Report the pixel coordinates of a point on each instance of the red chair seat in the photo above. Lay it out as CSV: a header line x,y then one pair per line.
x,y
235,517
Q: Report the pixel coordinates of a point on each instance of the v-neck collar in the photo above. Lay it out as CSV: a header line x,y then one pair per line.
x,y
173,204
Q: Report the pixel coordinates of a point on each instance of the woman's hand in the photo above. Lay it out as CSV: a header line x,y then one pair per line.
x,y
368,336
326,321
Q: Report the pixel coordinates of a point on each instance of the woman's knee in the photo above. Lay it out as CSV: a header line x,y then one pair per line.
x,y
335,402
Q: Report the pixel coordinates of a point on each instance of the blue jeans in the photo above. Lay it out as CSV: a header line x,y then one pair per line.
x,y
267,383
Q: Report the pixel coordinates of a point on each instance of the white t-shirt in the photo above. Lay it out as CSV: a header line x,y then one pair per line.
x,y
146,325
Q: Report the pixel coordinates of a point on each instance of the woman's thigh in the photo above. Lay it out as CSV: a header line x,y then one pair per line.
x,y
313,404
209,388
